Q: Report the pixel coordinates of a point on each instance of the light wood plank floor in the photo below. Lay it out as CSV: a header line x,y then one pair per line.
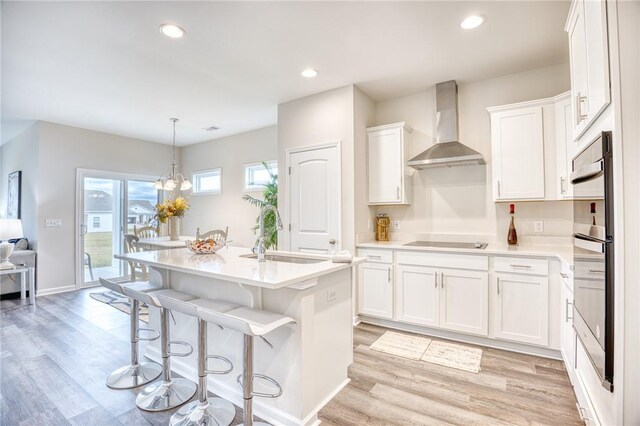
x,y
54,359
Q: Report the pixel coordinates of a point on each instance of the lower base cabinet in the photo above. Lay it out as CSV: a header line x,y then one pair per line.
x,y
376,290
521,308
417,295
567,334
464,301
445,298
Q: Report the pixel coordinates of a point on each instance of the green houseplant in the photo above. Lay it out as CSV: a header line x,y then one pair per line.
x,y
269,196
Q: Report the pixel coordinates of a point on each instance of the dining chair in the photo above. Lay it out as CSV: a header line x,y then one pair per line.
x,y
131,246
218,235
145,231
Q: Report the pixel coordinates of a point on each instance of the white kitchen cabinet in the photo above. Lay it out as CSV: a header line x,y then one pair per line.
x,y
389,179
517,142
567,334
450,299
376,289
589,61
464,304
566,148
521,308
417,295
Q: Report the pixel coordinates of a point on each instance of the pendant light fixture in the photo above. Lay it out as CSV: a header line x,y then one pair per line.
x,y
174,180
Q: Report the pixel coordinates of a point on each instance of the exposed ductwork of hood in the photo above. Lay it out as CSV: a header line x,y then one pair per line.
x,y
447,151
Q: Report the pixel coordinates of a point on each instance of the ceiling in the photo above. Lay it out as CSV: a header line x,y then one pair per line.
x,y
105,65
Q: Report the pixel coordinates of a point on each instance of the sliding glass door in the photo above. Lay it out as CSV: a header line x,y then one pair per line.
x,y
109,205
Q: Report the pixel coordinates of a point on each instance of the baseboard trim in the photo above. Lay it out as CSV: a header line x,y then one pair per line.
x,y
467,338
312,419
232,393
55,290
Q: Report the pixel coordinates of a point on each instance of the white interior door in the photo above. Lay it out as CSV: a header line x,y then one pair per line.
x,y
314,199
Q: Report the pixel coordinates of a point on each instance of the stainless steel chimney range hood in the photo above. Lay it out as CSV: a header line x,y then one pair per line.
x,y
447,151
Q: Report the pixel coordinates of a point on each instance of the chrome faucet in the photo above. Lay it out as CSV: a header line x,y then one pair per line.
x,y
260,249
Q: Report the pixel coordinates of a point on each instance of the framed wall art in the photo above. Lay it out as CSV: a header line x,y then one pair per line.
x,y
14,195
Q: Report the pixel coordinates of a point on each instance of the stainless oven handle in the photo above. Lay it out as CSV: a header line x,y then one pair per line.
x,y
587,172
588,244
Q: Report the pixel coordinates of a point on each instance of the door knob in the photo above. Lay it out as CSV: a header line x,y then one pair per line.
x,y
332,241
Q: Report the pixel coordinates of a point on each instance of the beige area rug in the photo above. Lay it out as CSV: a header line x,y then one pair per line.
x,y
121,303
454,356
423,349
402,345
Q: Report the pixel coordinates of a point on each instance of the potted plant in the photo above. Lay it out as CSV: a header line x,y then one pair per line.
x,y
269,196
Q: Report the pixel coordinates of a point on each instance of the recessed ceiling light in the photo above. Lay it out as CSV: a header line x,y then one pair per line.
x,y
472,21
172,31
309,73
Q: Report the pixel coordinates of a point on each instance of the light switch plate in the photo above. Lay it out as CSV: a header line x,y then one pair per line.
x,y
538,226
53,223
331,295
396,225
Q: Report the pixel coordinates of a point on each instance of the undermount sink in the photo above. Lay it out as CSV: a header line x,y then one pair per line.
x,y
287,259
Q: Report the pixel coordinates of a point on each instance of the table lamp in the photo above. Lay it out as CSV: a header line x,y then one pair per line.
x,y
9,229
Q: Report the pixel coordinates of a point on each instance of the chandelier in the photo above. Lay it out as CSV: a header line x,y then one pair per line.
x,y
174,180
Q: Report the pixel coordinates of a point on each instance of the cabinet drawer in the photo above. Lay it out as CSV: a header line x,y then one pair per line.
x,y
375,255
520,265
443,260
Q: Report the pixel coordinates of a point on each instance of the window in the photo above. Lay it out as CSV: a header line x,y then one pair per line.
x,y
256,176
207,182
96,221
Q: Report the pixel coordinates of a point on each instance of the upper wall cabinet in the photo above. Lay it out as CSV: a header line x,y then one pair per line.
x,y
566,148
389,176
517,145
589,59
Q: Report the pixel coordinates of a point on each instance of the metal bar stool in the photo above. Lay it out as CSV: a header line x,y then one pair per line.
x,y
204,411
168,393
251,322
136,373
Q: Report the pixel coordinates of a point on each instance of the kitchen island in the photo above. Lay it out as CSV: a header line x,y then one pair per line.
x,y
308,359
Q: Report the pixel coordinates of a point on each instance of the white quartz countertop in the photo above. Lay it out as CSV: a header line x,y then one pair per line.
x,y
562,252
227,265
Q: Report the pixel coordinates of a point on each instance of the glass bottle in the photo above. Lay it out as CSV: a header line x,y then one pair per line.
x,y
512,236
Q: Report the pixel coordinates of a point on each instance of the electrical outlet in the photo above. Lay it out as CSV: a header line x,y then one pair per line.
x,y
331,295
538,226
53,223
369,225
396,225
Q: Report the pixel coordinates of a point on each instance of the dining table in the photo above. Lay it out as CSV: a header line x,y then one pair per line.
x,y
163,243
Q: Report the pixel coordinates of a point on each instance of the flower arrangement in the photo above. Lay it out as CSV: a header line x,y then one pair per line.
x,y
171,208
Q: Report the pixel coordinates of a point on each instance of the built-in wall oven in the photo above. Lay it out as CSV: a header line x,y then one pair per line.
x,y
593,240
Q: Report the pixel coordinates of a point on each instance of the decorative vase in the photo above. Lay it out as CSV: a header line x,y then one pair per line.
x,y
174,225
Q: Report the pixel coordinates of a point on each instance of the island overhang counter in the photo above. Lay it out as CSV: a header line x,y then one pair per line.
x,y
309,359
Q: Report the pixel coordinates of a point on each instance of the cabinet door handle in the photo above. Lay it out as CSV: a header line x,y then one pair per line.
x,y
596,271
498,284
566,311
373,256
580,116
563,275
498,189
398,192
521,266
563,190
435,280
389,274
442,279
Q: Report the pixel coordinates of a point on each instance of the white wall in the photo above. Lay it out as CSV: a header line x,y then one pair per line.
x,y
21,153
318,119
231,153
63,149
364,117
458,200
